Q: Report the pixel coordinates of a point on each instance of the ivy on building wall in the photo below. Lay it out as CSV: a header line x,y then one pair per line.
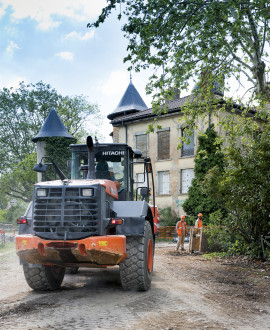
x,y
58,149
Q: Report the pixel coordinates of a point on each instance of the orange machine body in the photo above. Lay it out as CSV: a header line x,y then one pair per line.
x,y
95,251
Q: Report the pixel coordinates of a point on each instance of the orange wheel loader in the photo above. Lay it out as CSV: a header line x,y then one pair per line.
x,y
92,219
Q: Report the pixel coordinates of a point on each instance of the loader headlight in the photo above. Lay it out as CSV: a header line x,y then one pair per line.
x,y
87,192
41,192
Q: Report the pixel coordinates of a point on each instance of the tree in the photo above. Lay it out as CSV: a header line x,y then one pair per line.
x,y
243,190
58,149
179,39
208,156
18,183
23,112
11,214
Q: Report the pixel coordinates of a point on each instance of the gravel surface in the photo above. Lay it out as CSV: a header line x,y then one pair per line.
x,y
187,292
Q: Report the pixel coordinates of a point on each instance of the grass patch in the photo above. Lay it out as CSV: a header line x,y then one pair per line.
x,y
162,240
214,255
9,246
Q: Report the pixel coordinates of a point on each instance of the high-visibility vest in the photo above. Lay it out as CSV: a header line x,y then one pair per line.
x,y
198,223
179,228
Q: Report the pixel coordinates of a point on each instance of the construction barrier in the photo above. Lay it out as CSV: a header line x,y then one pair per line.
x,y
169,232
7,234
198,237
7,228
166,232
198,241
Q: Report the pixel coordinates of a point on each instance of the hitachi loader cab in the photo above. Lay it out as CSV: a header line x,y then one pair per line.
x,y
98,218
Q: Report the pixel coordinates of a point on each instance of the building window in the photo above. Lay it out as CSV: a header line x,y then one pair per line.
x,y
186,177
163,151
164,183
141,181
188,149
141,143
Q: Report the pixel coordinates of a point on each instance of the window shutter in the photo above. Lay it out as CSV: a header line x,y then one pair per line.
x,y
141,144
163,145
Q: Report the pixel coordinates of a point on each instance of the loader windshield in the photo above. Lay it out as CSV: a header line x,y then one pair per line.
x,y
112,162
106,167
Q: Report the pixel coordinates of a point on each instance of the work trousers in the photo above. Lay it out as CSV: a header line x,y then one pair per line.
x,y
181,240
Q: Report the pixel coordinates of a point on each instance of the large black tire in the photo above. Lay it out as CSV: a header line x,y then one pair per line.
x,y
43,278
136,270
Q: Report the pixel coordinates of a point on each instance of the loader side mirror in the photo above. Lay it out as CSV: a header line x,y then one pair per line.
x,y
144,192
137,154
42,168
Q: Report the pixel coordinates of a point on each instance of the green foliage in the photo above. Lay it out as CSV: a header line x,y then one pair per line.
x,y
11,214
22,114
221,237
243,190
178,39
18,183
211,41
208,155
3,215
167,217
58,149
80,117
190,220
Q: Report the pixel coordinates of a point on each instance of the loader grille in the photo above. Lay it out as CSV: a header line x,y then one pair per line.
x,y
64,213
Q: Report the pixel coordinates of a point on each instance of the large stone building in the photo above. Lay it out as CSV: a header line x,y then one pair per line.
x,y
173,168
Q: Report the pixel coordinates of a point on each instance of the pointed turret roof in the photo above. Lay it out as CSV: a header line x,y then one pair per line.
x,y
52,126
130,102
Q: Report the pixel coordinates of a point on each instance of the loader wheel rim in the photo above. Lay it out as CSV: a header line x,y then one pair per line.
x,y
150,256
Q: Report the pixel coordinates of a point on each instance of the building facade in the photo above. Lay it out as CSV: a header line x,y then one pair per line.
x,y
173,168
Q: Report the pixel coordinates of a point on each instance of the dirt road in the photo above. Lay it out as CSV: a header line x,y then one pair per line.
x,y
187,292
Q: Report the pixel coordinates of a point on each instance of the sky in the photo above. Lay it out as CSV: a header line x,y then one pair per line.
x,y
47,40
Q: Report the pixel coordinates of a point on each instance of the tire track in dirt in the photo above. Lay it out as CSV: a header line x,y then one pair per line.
x,y
181,297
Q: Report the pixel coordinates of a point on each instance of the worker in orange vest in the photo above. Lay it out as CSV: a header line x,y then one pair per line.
x,y
181,228
198,222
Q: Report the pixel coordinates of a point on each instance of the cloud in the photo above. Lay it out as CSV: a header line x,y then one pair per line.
x,y
49,24
13,82
48,13
10,49
2,12
67,56
80,36
114,84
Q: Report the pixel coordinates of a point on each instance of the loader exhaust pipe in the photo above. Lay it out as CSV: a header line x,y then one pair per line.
x,y
91,174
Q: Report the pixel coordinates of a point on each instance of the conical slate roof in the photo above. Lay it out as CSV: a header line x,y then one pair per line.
x,y
52,126
216,87
216,90
130,102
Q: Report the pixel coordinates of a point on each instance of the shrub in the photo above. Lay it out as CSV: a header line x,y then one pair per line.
x,y
208,155
167,217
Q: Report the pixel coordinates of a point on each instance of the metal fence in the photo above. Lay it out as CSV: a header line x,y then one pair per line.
x,y
7,234
3,239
